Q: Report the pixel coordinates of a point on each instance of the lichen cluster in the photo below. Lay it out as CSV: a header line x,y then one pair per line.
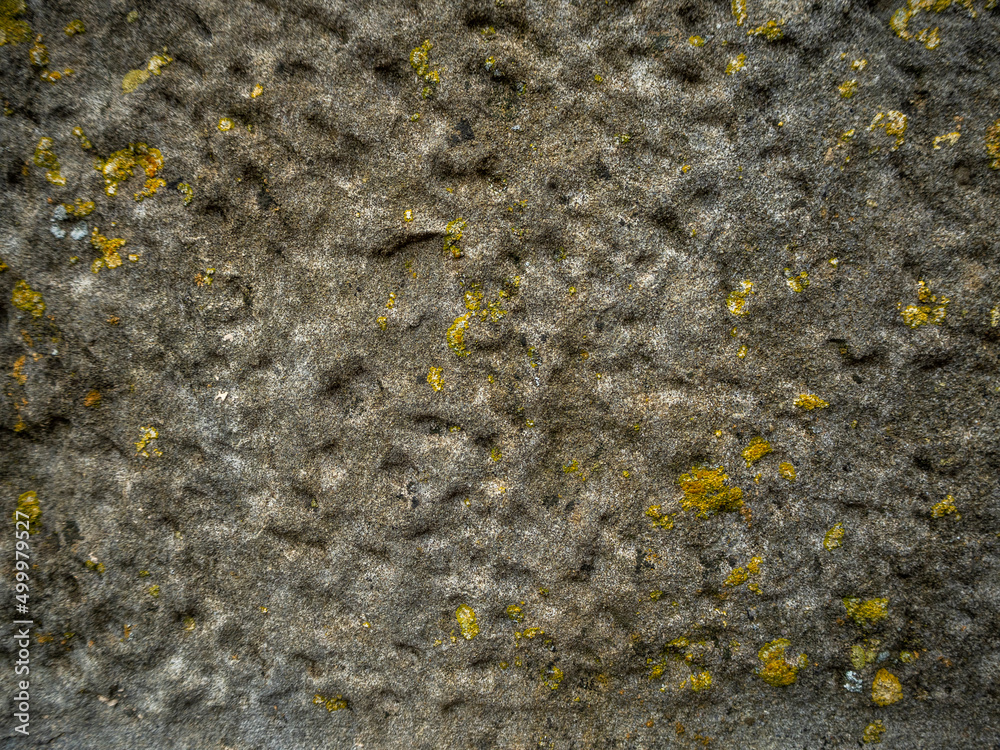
x,y
868,611
706,491
777,670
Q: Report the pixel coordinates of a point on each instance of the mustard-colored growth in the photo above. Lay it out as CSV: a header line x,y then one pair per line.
x,y
696,41
945,507
777,670
848,88
79,208
27,505
495,454
135,78
187,191
97,567
756,450
75,27
39,53
948,139
456,335
660,520
331,704
154,590
109,247
737,577
929,37
739,8
741,575
992,140
226,124
383,322
737,299
552,677
27,299
736,64
84,141
152,185
467,621
809,402
834,537
420,60
893,123
867,611
873,733
797,283
699,681
514,613
120,165
257,91
786,471
915,316
886,688
46,159
436,378
453,234
143,447
707,492
864,654
771,31
12,31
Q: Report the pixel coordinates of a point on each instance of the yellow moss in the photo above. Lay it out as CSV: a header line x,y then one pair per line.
x,y
707,492
696,41
27,299
737,299
79,207
331,704
834,537
75,27
552,677
143,446
187,191
848,88
945,507
453,234
873,733
992,141
739,8
771,31
660,520
777,670
456,335
948,139
12,31
736,64
121,165
109,247
786,471
756,450
46,159
226,124
27,505
886,688
865,612
467,621
893,123
809,402
135,78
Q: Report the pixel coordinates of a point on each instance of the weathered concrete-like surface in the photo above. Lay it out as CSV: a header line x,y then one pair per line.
x,y
398,418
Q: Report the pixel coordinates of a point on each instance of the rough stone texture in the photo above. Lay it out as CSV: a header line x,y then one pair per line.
x,y
314,512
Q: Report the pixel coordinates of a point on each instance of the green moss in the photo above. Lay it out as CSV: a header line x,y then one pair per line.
x,y
865,612
27,299
467,621
27,506
756,450
706,491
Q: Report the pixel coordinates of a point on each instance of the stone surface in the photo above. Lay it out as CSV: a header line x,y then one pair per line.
x,y
381,399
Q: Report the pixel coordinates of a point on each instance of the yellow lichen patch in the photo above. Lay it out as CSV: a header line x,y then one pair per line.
x,y
514,613
756,450
777,670
886,689
552,677
29,509
109,247
873,733
46,159
75,27
496,454
12,31
865,612
187,191
660,520
893,123
17,372
436,378
739,8
863,654
79,208
739,576
143,445
331,704
453,234
39,53
707,492
797,283
944,508
786,471
226,124
154,590
848,88
929,37
809,402
992,141
834,537
948,139
467,621
935,312
696,41
736,64
420,60
135,78
383,322
698,681
152,185
771,31
737,299
456,335
120,165
92,399
257,91
97,567
27,299
81,136
408,215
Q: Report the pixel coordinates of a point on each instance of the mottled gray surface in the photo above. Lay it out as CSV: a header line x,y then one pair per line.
x,y
318,511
